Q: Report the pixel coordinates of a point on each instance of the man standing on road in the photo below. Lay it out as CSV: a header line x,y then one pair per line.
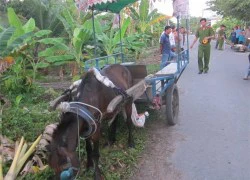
x,y
165,47
221,36
204,34
247,35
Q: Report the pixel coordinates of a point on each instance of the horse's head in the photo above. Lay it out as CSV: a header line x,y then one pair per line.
x,y
62,156
64,163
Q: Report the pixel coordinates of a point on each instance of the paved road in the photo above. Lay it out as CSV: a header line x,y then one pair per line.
x,y
212,139
214,119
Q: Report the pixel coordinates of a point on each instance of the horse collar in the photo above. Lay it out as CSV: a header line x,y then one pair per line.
x,y
86,115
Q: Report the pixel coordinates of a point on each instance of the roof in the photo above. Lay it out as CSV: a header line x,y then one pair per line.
x,y
115,6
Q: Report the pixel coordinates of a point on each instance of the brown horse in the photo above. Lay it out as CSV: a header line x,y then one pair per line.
x,y
63,158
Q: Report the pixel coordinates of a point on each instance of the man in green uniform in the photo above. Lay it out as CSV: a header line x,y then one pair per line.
x,y
221,36
204,34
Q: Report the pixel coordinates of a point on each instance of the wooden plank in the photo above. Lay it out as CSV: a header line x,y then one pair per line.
x,y
169,69
135,91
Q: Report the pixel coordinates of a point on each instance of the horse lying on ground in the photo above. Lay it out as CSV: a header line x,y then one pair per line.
x,y
85,117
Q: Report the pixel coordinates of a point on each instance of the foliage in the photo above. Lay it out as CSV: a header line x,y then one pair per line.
x,y
28,116
78,34
16,79
43,12
14,38
134,44
24,43
232,8
143,18
111,38
12,42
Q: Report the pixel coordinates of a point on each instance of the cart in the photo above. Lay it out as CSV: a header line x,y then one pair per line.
x,y
159,89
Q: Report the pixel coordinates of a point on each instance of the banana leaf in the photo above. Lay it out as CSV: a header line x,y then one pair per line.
x,y
61,58
80,36
18,43
4,38
42,33
29,26
15,22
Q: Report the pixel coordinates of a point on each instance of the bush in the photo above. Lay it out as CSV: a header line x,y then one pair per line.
x,y
28,114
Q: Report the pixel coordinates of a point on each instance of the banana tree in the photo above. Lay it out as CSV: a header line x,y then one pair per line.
x,y
43,12
14,38
78,34
111,40
22,41
143,18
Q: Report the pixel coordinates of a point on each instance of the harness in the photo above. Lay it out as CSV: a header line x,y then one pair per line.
x,y
86,115
80,110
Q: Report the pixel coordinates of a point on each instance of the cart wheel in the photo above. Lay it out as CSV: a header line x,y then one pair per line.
x,y
172,104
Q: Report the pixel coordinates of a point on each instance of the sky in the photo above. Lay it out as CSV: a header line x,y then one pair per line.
x,y
195,6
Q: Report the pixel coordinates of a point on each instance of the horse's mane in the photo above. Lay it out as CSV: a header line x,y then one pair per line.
x,y
85,80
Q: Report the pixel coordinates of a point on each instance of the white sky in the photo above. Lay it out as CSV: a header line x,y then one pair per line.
x,y
195,6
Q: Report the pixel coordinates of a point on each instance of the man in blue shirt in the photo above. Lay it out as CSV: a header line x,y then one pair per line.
x,y
238,32
165,47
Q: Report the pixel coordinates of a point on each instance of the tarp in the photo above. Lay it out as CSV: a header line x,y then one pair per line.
x,y
181,8
114,6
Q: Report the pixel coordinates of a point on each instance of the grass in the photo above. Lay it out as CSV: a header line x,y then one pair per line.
x,y
28,114
153,68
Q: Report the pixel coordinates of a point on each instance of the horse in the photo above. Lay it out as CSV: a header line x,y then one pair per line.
x,y
91,92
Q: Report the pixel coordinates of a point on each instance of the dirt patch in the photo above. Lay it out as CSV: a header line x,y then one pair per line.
x,y
150,56
155,163
57,85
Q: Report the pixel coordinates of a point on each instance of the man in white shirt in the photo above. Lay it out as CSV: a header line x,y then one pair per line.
x,y
172,37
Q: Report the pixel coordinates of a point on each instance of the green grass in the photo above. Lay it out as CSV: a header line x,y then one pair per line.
x,y
153,68
28,114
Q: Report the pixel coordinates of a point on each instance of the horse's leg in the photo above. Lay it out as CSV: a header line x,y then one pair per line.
x,y
112,132
95,156
89,153
128,109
